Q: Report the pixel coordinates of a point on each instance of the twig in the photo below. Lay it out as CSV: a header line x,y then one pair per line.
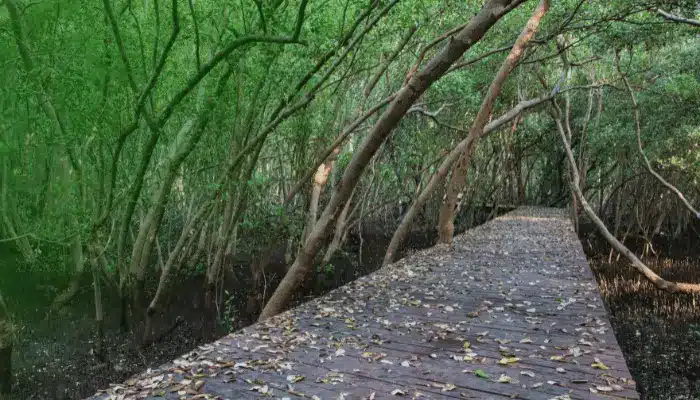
x,y
676,18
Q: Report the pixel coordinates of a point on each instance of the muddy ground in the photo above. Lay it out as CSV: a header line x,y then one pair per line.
x,y
659,333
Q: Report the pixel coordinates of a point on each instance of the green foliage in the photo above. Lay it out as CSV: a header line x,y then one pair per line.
x,y
72,179
327,269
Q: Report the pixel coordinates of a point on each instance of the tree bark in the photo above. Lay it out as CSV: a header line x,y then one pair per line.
x,y
339,233
165,276
678,19
492,11
459,172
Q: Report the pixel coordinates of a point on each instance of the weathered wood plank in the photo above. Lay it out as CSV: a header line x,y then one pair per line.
x,y
512,310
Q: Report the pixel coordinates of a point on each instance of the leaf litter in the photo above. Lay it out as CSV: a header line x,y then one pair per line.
x,y
506,285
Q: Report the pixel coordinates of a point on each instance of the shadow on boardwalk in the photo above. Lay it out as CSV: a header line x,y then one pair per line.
x,y
512,311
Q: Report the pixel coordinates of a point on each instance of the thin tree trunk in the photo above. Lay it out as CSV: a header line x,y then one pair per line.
x,y
567,126
78,260
165,274
385,65
618,218
6,341
182,147
459,172
98,349
215,267
76,249
417,85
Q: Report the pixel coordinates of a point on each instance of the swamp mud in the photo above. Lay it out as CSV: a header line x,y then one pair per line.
x,y
54,355
659,333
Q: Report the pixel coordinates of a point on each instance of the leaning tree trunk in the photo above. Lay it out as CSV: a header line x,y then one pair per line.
x,y
651,276
492,11
459,173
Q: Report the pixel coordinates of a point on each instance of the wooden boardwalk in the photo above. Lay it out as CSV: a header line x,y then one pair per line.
x,y
512,311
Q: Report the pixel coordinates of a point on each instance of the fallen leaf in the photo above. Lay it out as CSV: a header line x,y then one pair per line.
x,y
508,360
481,374
260,389
599,365
505,379
398,392
448,387
295,378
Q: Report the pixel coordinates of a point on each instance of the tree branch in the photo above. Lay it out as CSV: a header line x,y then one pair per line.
x,y
196,34
163,57
676,18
